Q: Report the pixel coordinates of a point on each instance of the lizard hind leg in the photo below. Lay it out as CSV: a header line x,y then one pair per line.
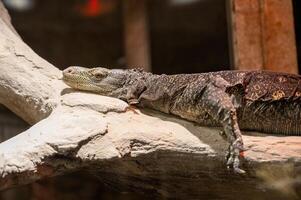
x,y
219,106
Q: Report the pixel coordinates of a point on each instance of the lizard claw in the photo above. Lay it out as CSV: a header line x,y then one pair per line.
x,y
133,101
131,108
239,171
233,154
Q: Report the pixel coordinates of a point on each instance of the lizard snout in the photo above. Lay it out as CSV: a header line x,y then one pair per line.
x,y
69,70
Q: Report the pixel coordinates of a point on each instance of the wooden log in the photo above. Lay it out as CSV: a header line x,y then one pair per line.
x,y
136,37
262,34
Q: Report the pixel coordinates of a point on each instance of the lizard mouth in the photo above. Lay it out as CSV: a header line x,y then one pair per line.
x,y
77,82
73,80
77,79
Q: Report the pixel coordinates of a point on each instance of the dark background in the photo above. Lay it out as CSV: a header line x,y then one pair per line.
x,y
183,38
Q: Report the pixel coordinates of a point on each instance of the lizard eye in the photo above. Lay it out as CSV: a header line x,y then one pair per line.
x,y
99,76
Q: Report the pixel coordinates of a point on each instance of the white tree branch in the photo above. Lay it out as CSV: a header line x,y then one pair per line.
x,y
6,18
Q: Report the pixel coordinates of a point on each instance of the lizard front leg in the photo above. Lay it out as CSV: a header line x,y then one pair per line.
x,y
218,104
131,92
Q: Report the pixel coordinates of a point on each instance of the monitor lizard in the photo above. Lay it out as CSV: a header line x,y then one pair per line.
x,y
262,101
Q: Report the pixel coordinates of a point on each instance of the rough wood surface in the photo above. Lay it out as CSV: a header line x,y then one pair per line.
x,y
136,34
263,35
26,95
246,34
279,36
141,150
6,18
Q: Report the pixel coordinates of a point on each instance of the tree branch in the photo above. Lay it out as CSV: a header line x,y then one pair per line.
x,y
6,18
29,85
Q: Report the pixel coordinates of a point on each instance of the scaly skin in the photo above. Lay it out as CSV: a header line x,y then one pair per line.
x,y
249,100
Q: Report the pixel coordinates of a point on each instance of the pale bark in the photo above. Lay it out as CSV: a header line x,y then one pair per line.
x,y
6,18
138,151
29,85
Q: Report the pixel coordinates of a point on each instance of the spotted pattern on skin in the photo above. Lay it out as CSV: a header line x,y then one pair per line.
x,y
298,94
282,79
277,95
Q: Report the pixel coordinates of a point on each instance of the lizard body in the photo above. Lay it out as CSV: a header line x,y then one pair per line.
x,y
236,100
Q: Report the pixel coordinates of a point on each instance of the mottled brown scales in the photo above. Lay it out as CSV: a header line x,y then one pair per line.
x,y
236,100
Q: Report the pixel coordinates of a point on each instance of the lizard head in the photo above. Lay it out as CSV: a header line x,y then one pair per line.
x,y
99,80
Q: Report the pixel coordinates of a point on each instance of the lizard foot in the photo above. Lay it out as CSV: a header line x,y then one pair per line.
x,y
235,151
131,108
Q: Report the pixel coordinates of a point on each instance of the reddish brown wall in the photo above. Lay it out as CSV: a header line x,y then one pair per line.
x,y
263,35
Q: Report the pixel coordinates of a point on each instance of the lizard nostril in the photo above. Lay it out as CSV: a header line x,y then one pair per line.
x,y
68,71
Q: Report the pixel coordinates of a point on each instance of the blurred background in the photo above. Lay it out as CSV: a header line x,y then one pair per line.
x,y
162,36
172,36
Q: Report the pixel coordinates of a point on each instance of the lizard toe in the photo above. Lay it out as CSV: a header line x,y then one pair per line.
x,y
233,159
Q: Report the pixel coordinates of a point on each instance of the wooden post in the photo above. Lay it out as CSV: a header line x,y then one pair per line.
x,y
136,34
262,35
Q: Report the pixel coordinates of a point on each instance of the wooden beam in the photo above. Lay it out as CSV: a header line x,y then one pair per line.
x,y
136,35
262,35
